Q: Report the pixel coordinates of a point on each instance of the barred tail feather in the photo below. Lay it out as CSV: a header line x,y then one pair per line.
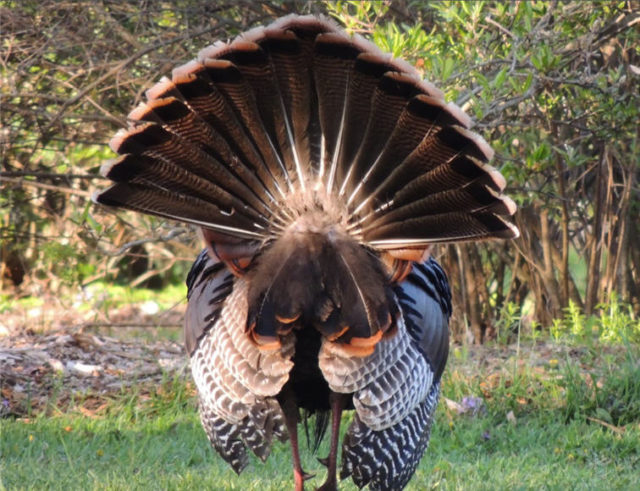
x,y
299,113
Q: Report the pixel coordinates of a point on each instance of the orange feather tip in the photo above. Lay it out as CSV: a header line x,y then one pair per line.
x,y
515,231
187,72
270,346
456,115
459,114
504,205
335,38
217,49
406,67
95,196
497,180
332,337
428,87
480,143
140,112
144,111
253,35
159,90
243,45
366,342
217,64
276,34
240,265
244,262
305,22
124,134
235,270
357,351
510,205
116,141
377,58
106,167
287,320
416,255
264,343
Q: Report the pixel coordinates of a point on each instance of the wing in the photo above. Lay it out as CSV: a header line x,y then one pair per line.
x,y
236,381
396,389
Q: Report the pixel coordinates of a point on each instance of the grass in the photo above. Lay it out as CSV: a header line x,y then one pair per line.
x,y
543,424
170,451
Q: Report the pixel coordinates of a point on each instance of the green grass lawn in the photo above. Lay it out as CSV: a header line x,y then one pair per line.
x,y
540,427
170,451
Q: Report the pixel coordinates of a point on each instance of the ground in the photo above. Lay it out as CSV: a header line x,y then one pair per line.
x,y
97,403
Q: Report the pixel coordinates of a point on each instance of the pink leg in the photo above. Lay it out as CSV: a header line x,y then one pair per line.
x,y
291,416
337,404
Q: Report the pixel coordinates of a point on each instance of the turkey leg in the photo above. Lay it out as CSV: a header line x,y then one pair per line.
x,y
291,417
338,402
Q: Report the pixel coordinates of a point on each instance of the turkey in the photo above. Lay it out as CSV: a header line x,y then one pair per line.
x,y
321,171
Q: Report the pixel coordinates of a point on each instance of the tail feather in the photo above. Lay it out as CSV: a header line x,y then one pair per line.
x,y
194,86
389,99
363,80
333,60
293,72
475,197
229,80
188,125
255,65
406,182
150,173
174,206
158,154
459,172
298,118
445,227
422,117
306,29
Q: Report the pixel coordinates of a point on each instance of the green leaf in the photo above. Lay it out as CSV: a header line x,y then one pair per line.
x,y
447,68
604,415
527,83
499,79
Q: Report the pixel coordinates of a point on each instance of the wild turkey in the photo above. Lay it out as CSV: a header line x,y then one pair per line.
x,y
320,171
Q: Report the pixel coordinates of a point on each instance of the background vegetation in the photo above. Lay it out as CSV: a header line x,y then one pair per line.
x,y
553,86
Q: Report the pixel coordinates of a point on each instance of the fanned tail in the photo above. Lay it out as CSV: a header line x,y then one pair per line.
x,y
297,115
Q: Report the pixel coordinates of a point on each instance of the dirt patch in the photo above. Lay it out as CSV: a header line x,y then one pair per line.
x,y
37,371
51,357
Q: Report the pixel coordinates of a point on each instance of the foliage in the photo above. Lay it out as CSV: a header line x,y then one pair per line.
x,y
553,87
610,392
616,324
